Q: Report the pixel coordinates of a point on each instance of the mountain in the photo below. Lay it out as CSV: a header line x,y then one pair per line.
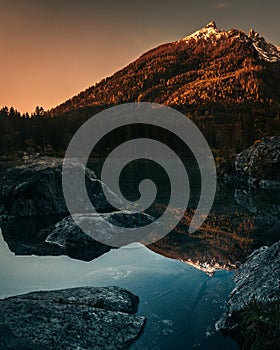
x,y
227,82
211,69
267,51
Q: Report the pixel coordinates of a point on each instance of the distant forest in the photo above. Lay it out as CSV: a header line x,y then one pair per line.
x,y
35,133
46,135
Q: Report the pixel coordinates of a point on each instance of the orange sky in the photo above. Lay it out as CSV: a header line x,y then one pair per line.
x,y
53,49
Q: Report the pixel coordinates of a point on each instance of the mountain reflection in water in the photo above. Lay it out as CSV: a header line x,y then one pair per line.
x,y
240,221
180,302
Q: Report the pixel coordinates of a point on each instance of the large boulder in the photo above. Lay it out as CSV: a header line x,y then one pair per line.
x,y
77,318
253,312
260,163
35,189
106,227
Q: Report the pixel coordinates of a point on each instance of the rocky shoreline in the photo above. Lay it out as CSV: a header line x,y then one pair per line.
x,y
79,318
33,190
253,316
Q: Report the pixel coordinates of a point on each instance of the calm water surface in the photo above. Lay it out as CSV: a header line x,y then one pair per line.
x,y
181,302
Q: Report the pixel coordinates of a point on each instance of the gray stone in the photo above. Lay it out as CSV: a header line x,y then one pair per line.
x,y
35,189
77,318
55,235
257,282
104,227
258,278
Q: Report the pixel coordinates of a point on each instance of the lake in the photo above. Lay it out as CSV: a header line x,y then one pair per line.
x,y
183,281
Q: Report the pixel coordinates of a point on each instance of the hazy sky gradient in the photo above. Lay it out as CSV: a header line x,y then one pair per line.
x,y
53,49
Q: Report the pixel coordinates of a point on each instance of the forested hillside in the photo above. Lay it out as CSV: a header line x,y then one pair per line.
x,y
226,81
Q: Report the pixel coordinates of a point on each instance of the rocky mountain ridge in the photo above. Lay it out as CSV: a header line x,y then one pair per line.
x,y
211,69
210,32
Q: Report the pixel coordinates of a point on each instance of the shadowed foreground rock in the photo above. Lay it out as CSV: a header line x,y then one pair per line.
x,y
77,318
253,317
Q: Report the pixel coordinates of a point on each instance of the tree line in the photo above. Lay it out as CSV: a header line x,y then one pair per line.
x,y
41,133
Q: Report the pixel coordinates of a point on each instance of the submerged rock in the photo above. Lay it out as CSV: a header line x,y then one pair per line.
x,y
106,227
55,235
26,236
253,313
35,189
77,318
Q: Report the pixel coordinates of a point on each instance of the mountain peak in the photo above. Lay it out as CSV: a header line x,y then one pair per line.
x,y
252,34
211,67
211,25
266,51
209,31
212,34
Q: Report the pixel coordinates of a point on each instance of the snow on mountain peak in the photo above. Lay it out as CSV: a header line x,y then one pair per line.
x,y
207,32
266,51
211,25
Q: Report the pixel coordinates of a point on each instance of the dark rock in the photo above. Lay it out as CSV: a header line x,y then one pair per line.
x,y
104,227
261,161
225,165
27,235
55,235
35,189
228,178
261,203
256,295
257,279
269,184
9,341
77,318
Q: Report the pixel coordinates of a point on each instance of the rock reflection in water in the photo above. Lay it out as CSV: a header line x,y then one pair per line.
x,y
238,223
27,236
